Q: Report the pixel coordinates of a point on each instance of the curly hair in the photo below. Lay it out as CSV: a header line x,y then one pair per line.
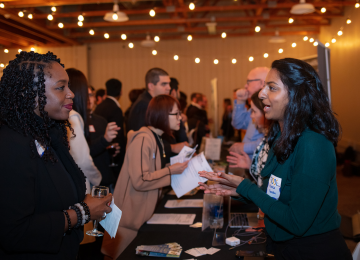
x,y
23,80
308,107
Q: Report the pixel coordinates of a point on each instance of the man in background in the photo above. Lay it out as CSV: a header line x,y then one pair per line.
x,y
100,96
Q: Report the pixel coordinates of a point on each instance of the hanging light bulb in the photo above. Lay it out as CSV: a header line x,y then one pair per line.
x,y
348,21
6,50
107,36
92,32
2,65
266,55
233,61
123,36
293,45
157,38
223,35
291,20
21,14
176,57
152,13
305,38
251,58
257,28
216,61
2,5
357,5
30,16
61,25
315,43
197,60
189,38
80,23
19,50
53,9
131,45
191,6
339,33
327,44
154,52
323,10
32,49
115,16
81,18
50,17
311,40
281,50
333,40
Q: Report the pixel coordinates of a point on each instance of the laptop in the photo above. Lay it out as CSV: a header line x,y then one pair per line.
x,y
242,219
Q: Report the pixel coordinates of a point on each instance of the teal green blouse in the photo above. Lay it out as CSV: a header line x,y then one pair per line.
x,y
308,195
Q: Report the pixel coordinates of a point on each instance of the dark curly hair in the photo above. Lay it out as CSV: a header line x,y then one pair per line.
x,y
308,107
22,81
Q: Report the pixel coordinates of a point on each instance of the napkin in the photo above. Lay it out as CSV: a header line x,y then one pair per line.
x,y
111,222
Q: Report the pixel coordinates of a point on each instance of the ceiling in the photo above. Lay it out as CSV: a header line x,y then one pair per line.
x,y
173,20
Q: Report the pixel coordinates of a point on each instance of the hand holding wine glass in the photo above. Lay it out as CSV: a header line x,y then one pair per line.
x,y
112,149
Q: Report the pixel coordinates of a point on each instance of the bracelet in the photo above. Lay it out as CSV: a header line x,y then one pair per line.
x,y
79,216
169,169
87,211
68,220
83,215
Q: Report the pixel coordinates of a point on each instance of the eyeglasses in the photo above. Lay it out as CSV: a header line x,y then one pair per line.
x,y
178,114
251,80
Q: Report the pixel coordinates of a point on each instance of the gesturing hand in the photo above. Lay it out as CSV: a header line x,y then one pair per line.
x,y
218,189
241,160
237,148
98,206
178,168
222,178
111,131
241,96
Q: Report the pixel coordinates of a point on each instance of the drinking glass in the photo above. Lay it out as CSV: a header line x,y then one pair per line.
x,y
112,149
97,192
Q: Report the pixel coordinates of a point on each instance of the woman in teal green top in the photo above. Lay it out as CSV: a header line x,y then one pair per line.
x,y
299,192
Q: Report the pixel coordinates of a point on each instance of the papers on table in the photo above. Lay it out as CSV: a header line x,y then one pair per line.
x,y
196,225
166,250
199,251
185,155
172,219
111,222
198,203
190,193
189,179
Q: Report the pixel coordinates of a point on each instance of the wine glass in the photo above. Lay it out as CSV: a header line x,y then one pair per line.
x,y
112,150
97,192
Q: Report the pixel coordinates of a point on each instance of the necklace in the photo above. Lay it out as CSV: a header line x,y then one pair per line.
x,y
162,144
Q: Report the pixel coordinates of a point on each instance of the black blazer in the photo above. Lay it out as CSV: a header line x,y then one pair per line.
x,y
138,112
33,195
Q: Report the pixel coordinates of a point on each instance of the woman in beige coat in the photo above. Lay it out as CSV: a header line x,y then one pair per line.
x,y
143,173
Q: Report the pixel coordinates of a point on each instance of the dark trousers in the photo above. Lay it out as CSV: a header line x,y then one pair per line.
x,y
327,246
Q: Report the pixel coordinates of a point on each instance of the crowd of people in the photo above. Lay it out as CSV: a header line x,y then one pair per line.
x,y
56,133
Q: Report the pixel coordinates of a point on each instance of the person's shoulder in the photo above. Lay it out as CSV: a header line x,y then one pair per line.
x,y
12,141
98,119
313,141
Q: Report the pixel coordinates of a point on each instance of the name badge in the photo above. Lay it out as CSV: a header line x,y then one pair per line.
x,y
273,188
91,129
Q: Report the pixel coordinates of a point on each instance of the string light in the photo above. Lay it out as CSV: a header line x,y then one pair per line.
x,y
305,38
92,32
123,36
32,49
293,45
315,43
80,23
30,16
156,38
2,65
189,38
223,35
50,17
257,28
176,57
348,21
2,5
81,18
19,50
152,13
154,52
323,10
357,5
115,16
6,50
131,45
197,60
327,44
233,61
107,36
191,6
266,55
311,40
291,20
21,14
251,58
281,50
339,33
333,40
61,25
53,9
216,61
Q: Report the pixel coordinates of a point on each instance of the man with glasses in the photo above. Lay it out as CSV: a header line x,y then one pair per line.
x,y
241,115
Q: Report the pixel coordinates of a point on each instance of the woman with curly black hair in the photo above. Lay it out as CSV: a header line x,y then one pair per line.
x,y
299,193
43,198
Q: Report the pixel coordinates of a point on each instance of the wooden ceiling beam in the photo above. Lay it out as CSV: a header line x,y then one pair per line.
x,y
17,35
6,43
13,38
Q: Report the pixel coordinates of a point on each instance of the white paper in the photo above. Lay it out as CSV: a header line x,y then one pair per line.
x,y
185,155
212,148
172,219
189,179
196,225
198,203
111,222
212,250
